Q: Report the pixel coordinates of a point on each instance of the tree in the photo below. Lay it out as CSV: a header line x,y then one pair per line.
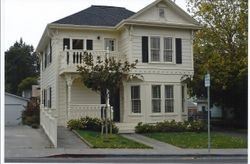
x,y
221,47
105,75
20,62
26,84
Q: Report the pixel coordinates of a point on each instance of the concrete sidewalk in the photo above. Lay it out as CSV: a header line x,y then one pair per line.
x,y
28,142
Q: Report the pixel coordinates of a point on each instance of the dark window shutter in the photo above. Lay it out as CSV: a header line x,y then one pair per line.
x,y
145,49
45,62
178,50
50,93
42,64
66,42
50,51
89,44
43,97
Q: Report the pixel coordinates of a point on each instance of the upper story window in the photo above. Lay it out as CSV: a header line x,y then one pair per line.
x,y
156,98
161,13
168,50
110,44
47,56
160,53
135,99
77,44
66,43
161,49
155,48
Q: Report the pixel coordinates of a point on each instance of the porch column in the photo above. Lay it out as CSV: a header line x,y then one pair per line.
x,y
69,81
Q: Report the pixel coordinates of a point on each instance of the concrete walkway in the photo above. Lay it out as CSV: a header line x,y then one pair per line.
x,y
151,142
68,140
24,137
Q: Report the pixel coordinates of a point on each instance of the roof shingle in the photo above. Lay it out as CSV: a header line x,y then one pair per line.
x,y
97,16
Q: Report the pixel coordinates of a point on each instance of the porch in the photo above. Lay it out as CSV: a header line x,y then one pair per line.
x,y
70,59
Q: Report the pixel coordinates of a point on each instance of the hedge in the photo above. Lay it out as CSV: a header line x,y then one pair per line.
x,y
171,126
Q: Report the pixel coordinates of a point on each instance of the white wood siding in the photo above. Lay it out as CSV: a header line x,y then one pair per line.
x,y
49,75
82,95
171,16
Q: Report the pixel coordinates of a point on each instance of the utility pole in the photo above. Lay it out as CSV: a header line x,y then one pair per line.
x,y
207,84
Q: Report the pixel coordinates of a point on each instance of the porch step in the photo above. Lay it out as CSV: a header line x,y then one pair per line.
x,y
126,127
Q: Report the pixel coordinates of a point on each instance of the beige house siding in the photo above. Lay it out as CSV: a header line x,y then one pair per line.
x,y
152,15
82,95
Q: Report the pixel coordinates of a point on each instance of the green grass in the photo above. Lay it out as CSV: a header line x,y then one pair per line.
x,y
110,141
199,140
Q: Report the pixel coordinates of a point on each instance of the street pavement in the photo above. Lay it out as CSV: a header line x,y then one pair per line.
x,y
25,142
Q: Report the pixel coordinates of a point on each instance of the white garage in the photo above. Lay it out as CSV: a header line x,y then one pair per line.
x,y
14,105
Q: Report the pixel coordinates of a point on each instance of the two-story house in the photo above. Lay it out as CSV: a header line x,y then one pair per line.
x,y
159,36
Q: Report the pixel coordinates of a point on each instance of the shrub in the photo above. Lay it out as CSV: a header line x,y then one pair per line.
x,y
75,124
144,128
31,115
88,123
171,126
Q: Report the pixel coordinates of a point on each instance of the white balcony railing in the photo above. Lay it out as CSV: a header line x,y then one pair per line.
x,y
71,58
90,110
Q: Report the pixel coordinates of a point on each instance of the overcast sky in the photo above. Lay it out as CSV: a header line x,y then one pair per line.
x,y
28,18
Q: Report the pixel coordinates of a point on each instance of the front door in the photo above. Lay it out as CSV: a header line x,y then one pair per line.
x,y
114,101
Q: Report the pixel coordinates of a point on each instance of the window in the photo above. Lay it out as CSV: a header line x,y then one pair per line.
x,y
156,98
77,44
66,43
110,44
169,99
168,50
161,12
183,98
155,48
135,99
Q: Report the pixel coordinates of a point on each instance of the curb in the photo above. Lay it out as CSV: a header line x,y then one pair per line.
x,y
145,155
85,141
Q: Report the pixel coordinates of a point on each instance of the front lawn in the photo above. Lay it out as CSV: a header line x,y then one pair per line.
x,y
198,140
110,141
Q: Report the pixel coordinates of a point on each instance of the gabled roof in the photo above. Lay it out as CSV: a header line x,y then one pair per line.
x,y
97,16
15,96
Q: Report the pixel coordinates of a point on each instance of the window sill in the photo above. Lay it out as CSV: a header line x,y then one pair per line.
x,y
135,115
162,114
169,63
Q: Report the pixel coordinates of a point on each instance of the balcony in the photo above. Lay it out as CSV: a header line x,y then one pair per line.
x,y
70,59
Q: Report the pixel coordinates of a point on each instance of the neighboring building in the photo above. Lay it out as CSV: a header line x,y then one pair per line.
x,y
33,92
160,36
14,105
192,109
216,111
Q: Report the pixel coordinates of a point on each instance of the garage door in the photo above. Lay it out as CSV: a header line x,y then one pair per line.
x,y
13,113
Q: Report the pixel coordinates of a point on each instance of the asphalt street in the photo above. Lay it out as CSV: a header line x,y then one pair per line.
x,y
203,160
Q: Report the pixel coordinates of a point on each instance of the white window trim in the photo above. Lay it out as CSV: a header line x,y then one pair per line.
x,y
164,12
131,111
161,110
169,99
82,38
162,49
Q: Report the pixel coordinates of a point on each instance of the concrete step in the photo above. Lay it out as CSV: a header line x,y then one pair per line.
x,y
126,127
